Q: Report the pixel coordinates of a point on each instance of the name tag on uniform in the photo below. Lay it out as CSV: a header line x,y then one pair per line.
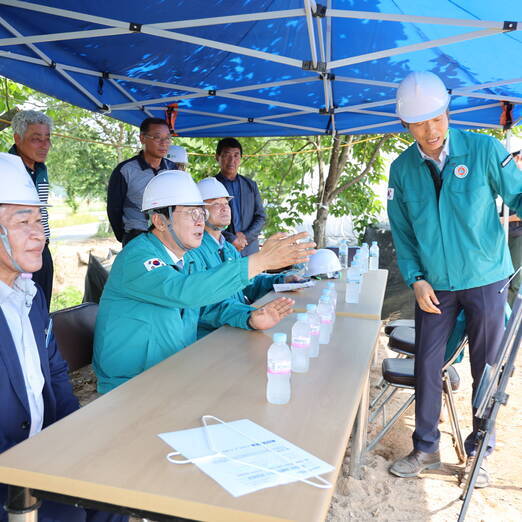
x,y
151,264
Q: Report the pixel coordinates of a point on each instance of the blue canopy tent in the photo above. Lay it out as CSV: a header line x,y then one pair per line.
x,y
266,67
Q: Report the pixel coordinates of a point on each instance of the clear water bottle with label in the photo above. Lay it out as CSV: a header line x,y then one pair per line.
x,y
333,294
353,283
327,292
374,256
279,367
301,338
315,326
343,253
364,258
324,309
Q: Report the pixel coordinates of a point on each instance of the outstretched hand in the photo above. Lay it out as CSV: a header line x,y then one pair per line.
x,y
270,314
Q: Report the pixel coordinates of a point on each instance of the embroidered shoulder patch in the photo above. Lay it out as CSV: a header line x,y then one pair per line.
x,y
391,191
151,264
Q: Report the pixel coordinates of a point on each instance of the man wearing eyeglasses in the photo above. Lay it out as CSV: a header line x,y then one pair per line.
x,y
157,291
129,178
32,137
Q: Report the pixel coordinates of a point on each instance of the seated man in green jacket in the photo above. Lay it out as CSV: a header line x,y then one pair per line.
x,y
215,250
151,303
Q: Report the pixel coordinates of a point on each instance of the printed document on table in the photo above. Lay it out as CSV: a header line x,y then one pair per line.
x,y
253,445
289,287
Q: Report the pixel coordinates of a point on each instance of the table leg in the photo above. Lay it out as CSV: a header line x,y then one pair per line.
x,y
359,434
21,506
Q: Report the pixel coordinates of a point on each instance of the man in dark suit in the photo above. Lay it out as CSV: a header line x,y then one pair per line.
x,y
34,385
248,215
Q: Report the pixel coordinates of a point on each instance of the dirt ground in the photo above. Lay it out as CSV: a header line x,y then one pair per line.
x,y
381,497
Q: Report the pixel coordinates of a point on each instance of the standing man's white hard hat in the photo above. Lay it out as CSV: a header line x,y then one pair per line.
x,y
211,188
17,186
177,154
421,96
169,188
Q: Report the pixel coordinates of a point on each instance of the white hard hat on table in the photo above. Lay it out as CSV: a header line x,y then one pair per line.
x,y
421,96
322,262
177,154
212,188
169,188
17,186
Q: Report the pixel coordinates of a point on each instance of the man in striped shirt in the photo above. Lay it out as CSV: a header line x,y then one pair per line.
x,y
32,137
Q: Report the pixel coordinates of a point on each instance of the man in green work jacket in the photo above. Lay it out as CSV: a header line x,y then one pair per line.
x,y
150,306
451,249
215,250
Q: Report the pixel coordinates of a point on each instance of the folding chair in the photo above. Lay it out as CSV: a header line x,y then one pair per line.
x,y
73,329
399,374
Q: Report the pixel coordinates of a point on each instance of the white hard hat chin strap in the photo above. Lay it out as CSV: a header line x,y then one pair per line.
x,y
172,232
215,227
8,249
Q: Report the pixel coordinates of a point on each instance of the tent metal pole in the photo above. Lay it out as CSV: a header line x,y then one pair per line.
x,y
127,94
489,85
477,108
395,17
311,33
505,208
366,105
366,127
364,81
476,124
257,120
512,99
46,59
394,51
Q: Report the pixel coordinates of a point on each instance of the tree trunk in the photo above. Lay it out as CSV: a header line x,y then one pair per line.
x,y
319,226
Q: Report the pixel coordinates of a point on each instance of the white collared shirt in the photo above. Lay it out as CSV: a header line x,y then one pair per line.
x,y
16,303
443,154
221,240
175,258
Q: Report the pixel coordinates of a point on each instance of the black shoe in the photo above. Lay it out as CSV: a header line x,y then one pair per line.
x,y
415,463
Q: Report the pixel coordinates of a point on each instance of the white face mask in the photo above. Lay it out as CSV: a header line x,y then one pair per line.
x,y
217,454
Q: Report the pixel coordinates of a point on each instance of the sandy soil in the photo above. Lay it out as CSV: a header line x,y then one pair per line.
x,y
381,497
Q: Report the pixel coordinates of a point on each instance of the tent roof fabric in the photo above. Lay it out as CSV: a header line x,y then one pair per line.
x,y
265,67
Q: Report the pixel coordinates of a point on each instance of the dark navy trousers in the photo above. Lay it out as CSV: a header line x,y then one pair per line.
x,y
484,310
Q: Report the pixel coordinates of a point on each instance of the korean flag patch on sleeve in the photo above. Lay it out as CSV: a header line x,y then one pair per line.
x,y
391,192
151,264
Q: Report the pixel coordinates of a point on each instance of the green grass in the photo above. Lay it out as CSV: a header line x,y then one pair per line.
x,y
73,219
69,297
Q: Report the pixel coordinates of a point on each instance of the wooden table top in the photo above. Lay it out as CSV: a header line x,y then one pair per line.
x,y
109,450
368,307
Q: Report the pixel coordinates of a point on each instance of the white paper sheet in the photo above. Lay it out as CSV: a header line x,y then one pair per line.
x,y
289,287
246,441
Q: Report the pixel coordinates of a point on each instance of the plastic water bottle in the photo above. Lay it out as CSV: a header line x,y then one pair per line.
x,y
315,326
279,366
343,253
364,258
301,338
324,309
374,256
353,284
333,294
332,299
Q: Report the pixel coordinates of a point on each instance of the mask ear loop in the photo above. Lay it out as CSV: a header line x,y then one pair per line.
x,y
323,483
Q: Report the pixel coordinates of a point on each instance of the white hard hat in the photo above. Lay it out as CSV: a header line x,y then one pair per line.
x,y
211,188
17,186
323,262
421,96
177,154
169,188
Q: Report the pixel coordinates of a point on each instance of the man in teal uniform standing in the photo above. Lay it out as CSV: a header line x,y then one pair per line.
x,y
151,303
451,249
215,250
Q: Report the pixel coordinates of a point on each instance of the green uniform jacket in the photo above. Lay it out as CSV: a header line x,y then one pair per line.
x,y
149,310
457,243
208,256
